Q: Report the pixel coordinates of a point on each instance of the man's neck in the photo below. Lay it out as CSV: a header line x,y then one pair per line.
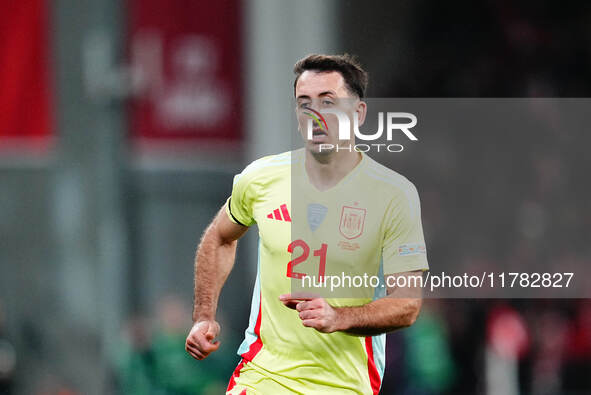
x,y
325,171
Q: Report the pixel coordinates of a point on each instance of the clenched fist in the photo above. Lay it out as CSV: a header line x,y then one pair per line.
x,y
200,339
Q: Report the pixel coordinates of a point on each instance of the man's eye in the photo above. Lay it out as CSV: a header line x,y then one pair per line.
x,y
327,102
304,105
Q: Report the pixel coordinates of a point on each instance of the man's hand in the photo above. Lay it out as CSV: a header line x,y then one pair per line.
x,y
200,340
399,309
314,312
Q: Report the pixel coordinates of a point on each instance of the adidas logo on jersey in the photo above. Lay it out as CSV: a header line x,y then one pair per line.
x,y
280,214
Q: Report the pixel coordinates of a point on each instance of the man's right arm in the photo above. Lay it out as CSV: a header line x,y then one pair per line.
x,y
213,262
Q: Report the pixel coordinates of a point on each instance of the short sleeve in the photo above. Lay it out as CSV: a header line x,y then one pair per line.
x,y
239,204
404,244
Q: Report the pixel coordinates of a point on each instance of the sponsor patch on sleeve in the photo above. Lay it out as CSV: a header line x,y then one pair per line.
x,y
411,249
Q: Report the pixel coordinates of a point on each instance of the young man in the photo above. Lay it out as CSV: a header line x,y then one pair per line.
x,y
320,212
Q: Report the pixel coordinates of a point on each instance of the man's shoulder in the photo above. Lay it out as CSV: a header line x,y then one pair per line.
x,y
392,186
386,177
270,166
273,162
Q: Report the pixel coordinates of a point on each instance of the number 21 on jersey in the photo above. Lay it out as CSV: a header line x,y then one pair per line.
x,y
304,248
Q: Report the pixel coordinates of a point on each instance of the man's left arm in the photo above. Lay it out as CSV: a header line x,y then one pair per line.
x,y
399,309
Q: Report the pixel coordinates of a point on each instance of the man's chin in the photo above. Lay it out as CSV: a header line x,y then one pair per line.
x,y
320,148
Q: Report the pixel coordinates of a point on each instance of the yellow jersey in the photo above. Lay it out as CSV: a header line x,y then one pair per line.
x,y
367,226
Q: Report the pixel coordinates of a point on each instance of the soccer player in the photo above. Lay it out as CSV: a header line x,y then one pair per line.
x,y
320,212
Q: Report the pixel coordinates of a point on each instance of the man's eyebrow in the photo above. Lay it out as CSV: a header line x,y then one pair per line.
x,y
325,93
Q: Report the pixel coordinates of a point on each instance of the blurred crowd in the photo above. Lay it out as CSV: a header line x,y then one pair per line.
x,y
448,349
533,209
444,352
149,359
152,359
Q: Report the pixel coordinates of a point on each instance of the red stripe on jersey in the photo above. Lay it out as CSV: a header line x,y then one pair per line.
x,y
285,213
248,356
258,344
374,375
277,215
235,375
270,216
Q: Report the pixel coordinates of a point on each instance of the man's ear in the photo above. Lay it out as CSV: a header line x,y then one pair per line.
x,y
361,111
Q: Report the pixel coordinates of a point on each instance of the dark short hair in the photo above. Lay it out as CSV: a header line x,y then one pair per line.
x,y
347,65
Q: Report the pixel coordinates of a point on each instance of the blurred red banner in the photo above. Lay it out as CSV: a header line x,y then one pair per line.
x,y
25,75
185,56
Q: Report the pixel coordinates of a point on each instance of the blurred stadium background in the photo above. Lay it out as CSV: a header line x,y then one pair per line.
x,y
123,122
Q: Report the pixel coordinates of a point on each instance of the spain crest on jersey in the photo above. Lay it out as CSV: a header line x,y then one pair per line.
x,y
352,221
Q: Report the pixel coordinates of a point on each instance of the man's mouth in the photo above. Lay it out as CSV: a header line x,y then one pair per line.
x,y
319,136
318,132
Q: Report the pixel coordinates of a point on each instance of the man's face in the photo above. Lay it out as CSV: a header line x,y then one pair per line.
x,y
316,91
